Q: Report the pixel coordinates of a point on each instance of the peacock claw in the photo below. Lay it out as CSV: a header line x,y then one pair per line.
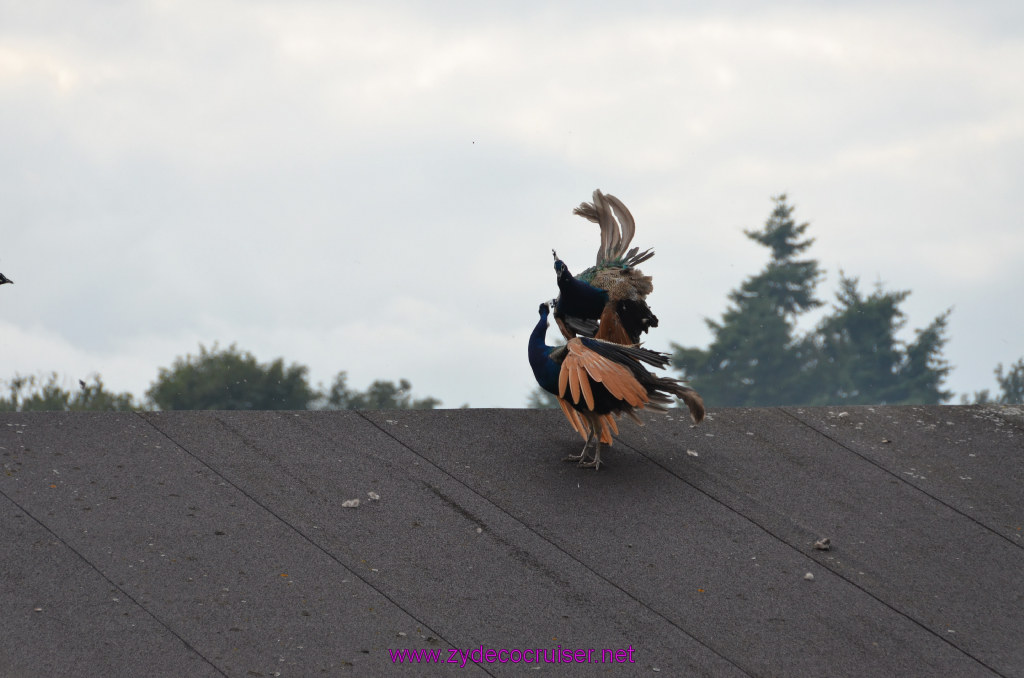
x,y
594,463
583,453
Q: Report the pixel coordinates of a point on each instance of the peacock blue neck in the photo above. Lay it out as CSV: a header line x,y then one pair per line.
x,y
544,368
580,298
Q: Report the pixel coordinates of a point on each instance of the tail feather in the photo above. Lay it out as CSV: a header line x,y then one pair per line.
x,y
662,390
609,228
617,229
626,223
636,260
694,403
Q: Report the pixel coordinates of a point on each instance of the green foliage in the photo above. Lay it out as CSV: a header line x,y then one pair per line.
x,y
853,356
381,395
753,359
1011,383
36,394
215,379
1011,387
982,397
786,281
230,380
923,368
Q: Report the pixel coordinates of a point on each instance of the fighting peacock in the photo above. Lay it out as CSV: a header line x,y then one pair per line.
x,y
608,300
599,374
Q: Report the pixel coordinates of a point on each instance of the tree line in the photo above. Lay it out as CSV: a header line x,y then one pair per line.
x,y
215,379
757,356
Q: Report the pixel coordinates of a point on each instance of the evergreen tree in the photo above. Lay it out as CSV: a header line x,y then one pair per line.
x,y
1011,386
854,357
923,368
753,358
1011,383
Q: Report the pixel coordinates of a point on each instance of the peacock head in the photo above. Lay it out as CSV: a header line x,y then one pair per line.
x,y
561,270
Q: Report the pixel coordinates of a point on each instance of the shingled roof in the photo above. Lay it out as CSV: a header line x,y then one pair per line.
x,y
218,543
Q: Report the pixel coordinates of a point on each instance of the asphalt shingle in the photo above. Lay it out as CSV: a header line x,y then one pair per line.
x,y
217,543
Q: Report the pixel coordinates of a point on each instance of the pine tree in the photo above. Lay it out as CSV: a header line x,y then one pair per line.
x,y
854,356
1011,383
754,358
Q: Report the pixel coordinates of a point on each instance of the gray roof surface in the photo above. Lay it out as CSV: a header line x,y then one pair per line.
x,y
216,543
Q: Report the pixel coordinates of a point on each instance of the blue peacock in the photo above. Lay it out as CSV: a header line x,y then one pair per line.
x,y
595,381
599,374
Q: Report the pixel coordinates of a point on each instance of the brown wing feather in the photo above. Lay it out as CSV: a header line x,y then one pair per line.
x,y
574,418
611,328
606,436
575,373
588,394
619,381
571,368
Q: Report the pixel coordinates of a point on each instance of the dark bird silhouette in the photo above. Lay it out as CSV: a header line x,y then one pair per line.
x,y
596,381
608,300
5,279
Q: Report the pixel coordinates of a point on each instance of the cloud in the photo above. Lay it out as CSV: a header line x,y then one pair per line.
x,y
305,177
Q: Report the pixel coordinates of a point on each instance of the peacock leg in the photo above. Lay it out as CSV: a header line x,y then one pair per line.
x,y
583,454
595,463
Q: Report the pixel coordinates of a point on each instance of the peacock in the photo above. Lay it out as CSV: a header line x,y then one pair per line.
x,y
608,300
595,381
5,279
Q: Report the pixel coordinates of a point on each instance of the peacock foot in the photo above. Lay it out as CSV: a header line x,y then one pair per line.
x,y
582,455
594,463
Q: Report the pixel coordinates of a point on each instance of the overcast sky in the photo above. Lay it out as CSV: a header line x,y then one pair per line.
x,y
376,187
